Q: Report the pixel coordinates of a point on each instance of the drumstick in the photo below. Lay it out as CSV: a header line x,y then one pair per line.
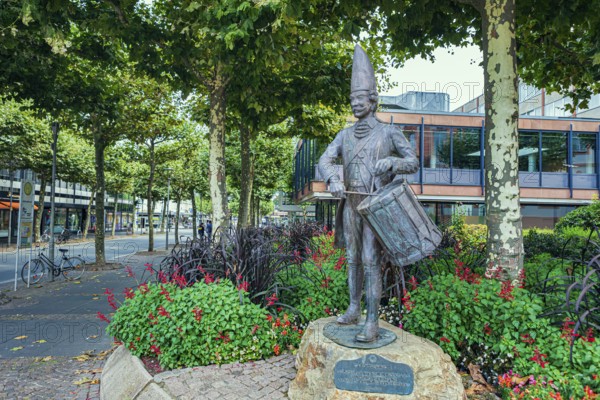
x,y
364,194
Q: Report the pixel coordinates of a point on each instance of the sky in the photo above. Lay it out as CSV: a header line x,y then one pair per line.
x,y
459,74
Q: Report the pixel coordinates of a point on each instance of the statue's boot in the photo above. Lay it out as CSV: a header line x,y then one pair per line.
x,y
370,330
355,285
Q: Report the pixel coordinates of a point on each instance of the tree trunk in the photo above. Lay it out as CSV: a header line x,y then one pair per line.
x,y
88,218
99,147
194,215
247,177
150,199
114,224
504,240
216,164
177,220
38,217
257,211
252,210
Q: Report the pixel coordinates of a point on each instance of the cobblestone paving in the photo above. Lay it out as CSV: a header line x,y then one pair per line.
x,y
59,378
254,380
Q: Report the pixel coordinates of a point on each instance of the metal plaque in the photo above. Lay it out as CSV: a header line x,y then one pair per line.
x,y
374,374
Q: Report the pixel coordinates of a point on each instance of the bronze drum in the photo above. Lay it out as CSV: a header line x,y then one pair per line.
x,y
401,225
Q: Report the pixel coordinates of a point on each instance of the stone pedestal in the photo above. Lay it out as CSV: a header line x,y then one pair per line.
x,y
434,374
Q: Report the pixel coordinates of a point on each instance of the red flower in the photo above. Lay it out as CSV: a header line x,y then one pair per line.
x,y
325,282
506,291
269,318
430,284
444,339
276,350
539,358
162,277
413,283
225,338
129,271
245,286
149,268
527,339
589,336
110,297
155,349
165,293
254,329
340,263
271,300
143,288
486,329
163,312
102,317
197,314
129,294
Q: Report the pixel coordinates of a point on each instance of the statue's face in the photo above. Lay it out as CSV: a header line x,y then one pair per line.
x,y
360,103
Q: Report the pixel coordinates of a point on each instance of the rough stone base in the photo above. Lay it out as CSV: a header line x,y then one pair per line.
x,y
125,377
435,376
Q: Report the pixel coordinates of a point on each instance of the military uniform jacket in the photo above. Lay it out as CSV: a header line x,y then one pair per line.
x,y
360,153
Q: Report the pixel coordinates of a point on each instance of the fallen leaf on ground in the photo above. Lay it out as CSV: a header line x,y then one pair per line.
x,y
89,371
82,381
20,337
92,337
42,359
86,355
17,348
77,282
40,341
95,298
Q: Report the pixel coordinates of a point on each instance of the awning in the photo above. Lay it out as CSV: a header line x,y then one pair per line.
x,y
5,205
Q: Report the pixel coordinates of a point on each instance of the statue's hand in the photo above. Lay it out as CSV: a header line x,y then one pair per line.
x,y
384,165
337,189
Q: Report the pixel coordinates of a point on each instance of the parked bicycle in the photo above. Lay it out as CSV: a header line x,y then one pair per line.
x,y
61,235
72,268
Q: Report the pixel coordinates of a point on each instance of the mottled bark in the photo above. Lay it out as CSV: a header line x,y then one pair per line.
x,y
194,214
37,224
164,216
99,147
505,244
88,217
246,178
216,164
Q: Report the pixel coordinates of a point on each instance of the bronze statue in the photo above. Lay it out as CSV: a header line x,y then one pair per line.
x,y
373,153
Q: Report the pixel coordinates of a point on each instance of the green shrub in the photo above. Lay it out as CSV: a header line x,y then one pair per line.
x,y
586,217
319,286
496,326
198,325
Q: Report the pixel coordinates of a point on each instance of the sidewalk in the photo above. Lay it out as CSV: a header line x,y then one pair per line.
x,y
52,345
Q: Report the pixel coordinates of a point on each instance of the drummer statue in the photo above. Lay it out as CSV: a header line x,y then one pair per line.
x,y
373,153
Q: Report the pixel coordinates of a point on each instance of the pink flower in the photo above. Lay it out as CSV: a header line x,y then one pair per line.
x,y
272,299
129,294
129,271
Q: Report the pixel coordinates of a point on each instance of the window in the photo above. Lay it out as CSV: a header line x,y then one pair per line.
x,y
412,135
584,153
529,152
466,148
437,147
554,152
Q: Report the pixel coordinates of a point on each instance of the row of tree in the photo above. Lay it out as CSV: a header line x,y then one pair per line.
x,y
254,65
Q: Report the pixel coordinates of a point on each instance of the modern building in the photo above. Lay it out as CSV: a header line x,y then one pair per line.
x,y
558,163
71,206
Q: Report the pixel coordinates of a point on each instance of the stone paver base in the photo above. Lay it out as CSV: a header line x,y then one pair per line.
x,y
124,376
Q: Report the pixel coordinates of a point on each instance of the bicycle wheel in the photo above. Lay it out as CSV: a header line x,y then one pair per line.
x,y
73,268
45,237
35,271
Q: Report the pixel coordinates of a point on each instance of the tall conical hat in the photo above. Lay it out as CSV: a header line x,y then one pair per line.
x,y
363,76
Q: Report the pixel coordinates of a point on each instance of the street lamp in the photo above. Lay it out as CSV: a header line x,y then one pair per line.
x,y
52,192
168,171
